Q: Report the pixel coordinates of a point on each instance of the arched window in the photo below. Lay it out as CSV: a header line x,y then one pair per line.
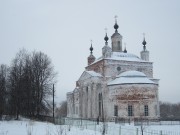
x,y
119,44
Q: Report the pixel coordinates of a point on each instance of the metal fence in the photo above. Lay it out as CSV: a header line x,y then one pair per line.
x,y
111,128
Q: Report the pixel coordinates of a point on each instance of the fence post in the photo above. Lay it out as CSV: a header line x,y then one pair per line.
x,y
119,130
86,124
137,130
95,128
161,132
81,122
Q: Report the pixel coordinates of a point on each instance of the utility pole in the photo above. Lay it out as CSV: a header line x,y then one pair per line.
x,y
53,102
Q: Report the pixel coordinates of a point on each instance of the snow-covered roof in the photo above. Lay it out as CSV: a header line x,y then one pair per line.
x,y
93,73
132,74
121,56
131,77
124,56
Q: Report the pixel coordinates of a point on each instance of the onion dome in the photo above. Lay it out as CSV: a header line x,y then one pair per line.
x,y
144,42
91,49
116,26
106,38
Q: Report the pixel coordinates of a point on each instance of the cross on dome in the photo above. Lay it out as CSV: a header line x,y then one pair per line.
x,y
115,18
116,25
106,37
144,41
91,48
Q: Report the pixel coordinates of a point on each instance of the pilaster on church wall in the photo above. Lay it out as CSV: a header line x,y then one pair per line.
x,y
89,101
95,101
70,104
104,96
158,107
83,102
80,102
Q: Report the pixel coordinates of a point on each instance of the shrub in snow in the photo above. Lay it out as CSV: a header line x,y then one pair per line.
x,y
29,127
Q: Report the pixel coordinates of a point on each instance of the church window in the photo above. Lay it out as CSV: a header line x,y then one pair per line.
x,y
130,110
119,45
87,91
155,107
76,110
146,110
99,108
118,68
100,97
140,69
115,110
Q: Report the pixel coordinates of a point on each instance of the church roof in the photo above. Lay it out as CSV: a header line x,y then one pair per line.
x,y
131,77
132,74
93,73
121,56
124,56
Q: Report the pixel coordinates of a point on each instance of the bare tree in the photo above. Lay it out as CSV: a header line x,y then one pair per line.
x,y
44,77
3,90
16,82
30,83
169,111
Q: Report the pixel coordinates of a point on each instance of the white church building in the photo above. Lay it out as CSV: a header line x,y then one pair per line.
x,y
116,85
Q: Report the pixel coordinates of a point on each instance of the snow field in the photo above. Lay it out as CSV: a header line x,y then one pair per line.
x,y
40,128
29,127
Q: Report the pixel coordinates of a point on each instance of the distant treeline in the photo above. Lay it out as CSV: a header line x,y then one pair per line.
x,y
169,111
26,85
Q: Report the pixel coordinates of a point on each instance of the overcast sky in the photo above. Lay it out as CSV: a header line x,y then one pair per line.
x,y
63,29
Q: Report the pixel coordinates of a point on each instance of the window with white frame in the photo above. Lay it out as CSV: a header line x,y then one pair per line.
x,y
130,110
146,110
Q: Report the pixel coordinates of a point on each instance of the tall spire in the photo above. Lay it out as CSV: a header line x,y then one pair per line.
x,y
125,51
116,26
116,39
91,48
144,52
106,37
91,58
144,42
106,50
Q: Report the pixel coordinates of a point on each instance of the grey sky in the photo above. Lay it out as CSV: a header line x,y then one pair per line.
x,y
63,29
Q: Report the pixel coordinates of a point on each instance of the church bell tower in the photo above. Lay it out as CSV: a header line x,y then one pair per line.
x,y
91,57
116,39
144,52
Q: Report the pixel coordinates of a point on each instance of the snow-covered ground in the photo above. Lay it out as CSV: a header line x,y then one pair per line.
x,y
39,128
28,127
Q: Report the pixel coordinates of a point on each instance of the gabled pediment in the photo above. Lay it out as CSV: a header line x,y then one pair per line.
x,y
89,74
